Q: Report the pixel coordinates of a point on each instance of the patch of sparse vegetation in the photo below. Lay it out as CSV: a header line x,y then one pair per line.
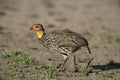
x,y
49,3
79,59
33,48
2,13
50,25
112,38
71,72
1,29
106,75
88,69
62,19
16,61
111,62
49,59
50,72
119,50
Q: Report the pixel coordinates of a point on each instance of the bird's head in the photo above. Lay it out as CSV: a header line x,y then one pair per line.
x,y
38,28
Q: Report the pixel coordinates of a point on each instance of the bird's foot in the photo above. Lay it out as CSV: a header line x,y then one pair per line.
x,y
76,70
61,69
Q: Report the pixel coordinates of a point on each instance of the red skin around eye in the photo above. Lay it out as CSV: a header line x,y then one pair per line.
x,y
36,29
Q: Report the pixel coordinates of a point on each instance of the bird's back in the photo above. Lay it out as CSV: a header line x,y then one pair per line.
x,y
63,40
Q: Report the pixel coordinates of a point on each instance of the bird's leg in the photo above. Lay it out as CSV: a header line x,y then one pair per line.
x,y
66,59
74,63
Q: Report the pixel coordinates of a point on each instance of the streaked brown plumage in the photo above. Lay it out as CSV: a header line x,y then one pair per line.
x,y
64,41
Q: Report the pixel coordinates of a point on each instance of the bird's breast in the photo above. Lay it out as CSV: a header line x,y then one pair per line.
x,y
49,42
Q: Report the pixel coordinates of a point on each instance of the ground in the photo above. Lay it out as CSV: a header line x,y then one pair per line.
x,y
97,20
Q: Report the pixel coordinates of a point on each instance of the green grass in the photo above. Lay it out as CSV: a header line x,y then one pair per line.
x,y
88,69
106,75
111,62
111,38
79,60
19,63
16,61
50,72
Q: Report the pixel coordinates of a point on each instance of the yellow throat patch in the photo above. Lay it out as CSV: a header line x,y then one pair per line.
x,y
40,34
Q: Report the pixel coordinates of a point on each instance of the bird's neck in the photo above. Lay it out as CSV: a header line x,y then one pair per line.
x,y
40,34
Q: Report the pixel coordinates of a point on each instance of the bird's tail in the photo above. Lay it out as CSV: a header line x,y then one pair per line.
x,y
88,49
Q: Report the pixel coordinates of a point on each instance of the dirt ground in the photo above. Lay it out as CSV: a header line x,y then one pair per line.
x,y
97,20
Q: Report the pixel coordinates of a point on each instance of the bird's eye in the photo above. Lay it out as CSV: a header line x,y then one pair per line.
x,y
36,26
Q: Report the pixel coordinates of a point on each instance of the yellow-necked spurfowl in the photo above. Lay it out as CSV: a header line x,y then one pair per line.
x,y
64,41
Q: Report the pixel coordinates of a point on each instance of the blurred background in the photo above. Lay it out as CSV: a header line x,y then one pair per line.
x,y
97,20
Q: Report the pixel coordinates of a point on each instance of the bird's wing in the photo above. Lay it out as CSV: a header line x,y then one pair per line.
x,y
67,38
75,38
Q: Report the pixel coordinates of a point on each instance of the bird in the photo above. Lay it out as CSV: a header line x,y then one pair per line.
x,y
65,42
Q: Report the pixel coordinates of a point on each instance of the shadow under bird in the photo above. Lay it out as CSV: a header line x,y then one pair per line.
x,y
65,42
